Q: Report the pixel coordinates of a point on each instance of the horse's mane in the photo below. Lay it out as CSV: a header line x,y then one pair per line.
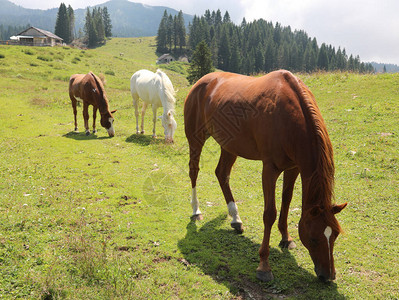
x,y
103,106
169,91
321,183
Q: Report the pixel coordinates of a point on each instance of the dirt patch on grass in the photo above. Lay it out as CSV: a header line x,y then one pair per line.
x,y
40,102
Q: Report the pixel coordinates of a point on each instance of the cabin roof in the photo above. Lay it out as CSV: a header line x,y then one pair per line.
x,y
44,33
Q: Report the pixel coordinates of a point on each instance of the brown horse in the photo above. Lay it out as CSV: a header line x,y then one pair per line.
x,y
89,89
275,119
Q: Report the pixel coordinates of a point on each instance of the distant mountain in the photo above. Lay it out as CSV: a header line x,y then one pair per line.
x,y
389,68
129,19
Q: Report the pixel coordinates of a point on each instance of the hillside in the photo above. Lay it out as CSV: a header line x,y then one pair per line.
x,y
129,19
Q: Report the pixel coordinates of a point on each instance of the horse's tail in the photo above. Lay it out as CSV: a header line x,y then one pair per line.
x,y
167,89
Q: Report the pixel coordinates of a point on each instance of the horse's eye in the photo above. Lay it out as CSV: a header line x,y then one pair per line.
x,y
314,242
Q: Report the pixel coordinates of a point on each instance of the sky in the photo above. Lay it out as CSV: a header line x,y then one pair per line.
x,y
368,28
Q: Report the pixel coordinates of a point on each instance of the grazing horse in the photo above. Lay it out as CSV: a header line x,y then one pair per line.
x,y
155,89
89,89
274,119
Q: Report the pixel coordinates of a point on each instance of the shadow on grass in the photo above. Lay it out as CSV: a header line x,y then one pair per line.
x,y
143,140
231,259
81,136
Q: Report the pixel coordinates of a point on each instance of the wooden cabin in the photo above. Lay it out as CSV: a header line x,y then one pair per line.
x,y
36,37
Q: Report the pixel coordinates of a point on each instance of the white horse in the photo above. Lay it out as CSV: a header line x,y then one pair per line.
x,y
155,89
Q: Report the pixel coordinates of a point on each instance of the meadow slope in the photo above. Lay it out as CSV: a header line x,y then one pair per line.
x,y
108,218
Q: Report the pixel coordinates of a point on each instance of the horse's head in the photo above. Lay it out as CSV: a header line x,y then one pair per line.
x,y
107,121
170,125
318,230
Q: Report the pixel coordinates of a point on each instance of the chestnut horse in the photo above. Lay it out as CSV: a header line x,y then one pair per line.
x,y
274,119
89,89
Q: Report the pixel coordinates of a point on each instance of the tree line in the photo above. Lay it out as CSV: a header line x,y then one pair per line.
x,y
171,33
97,26
7,31
261,46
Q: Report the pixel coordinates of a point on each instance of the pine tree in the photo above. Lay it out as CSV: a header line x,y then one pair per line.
x,y
181,31
201,63
107,22
62,28
162,35
322,59
169,32
71,23
90,30
224,52
99,25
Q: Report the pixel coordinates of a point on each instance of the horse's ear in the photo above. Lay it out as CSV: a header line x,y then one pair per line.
x,y
114,111
315,211
337,208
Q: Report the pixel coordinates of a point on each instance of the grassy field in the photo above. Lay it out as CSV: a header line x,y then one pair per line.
x,y
108,218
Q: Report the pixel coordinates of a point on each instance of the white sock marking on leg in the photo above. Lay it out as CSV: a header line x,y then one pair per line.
x,y
194,202
233,212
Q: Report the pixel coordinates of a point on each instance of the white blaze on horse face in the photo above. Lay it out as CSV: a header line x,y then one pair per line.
x,y
111,131
233,212
327,234
195,203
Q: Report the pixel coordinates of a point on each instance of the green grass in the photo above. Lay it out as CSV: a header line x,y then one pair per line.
x,y
108,218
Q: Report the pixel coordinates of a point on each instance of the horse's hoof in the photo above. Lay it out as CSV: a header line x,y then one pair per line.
x,y
287,245
237,227
198,217
94,131
264,276
76,129
141,132
87,133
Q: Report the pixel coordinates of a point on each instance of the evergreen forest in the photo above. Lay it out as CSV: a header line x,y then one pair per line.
x,y
258,46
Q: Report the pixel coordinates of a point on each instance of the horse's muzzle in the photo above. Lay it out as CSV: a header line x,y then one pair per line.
x,y
324,277
169,140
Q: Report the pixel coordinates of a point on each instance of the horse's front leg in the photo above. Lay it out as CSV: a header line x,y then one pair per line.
x,y
223,171
154,120
86,117
269,178
94,119
288,186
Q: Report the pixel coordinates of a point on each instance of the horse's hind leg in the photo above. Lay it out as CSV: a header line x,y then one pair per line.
x,y
136,111
73,100
223,171
142,116
196,143
288,186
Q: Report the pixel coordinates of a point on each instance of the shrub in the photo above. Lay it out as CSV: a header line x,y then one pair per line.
x,y
28,52
44,58
112,73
